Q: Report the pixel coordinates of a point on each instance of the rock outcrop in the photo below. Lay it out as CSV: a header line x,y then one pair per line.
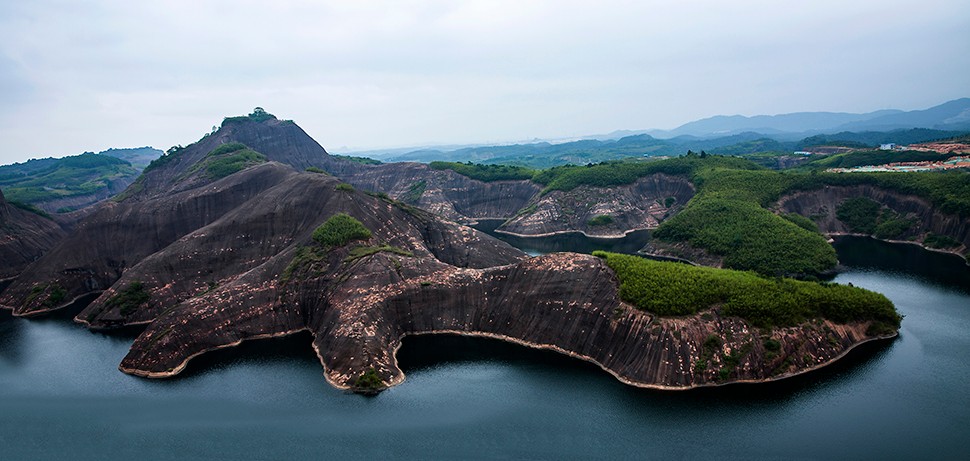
x,y
566,302
821,205
444,192
24,238
207,263
641,205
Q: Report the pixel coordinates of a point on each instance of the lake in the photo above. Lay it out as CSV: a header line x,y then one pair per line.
x,y
63,397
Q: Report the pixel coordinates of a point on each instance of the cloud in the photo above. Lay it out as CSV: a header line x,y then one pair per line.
x,y
77,77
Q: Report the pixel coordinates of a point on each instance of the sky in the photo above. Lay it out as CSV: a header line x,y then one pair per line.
x,y
86,76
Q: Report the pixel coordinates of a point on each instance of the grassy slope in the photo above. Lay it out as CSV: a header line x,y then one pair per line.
x,y
42,180
666,288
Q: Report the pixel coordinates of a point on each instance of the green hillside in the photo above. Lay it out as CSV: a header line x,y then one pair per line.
x,y
37,181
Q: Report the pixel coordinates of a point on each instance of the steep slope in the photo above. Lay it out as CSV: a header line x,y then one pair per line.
x,y
237,245
917,217
444,192
24,237
608,212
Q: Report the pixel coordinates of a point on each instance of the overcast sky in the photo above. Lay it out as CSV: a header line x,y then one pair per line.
x,y
358,74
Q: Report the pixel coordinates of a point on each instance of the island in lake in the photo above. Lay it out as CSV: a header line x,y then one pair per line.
x,y
255,231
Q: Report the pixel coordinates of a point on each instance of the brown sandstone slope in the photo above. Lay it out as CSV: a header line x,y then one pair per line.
x,y
117,236
24,238
641,205
358,312
277,221
207,263
444,192
821,206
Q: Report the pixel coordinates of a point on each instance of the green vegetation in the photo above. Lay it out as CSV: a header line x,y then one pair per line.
x,y
728,216
875,138
314,169
37,181
600,220
304,259
230,158
344,187
891,225
257,115
30,208
749,237
671,289
128,299
801,221
619,173
361,160
339,230
866,216
859,214
362,252
171,154
940,241
415,191
486,173
949,190
368,382
56,294
873,157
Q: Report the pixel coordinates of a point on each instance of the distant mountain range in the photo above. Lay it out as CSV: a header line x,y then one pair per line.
x,y
951,116
729,135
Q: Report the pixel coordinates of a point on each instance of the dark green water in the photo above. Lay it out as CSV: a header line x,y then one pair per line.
x,y
63,398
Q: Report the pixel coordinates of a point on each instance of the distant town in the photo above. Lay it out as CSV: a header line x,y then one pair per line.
x,y
943,148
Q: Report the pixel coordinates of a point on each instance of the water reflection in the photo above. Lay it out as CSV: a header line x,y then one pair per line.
x,y
11,337
941,269
427,353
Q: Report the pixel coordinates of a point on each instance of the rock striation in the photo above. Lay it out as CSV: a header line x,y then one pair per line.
x,y
821,205
641,205
24,238
206,263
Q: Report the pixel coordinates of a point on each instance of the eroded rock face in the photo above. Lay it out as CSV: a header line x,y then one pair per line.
x,y
24,238
641,205
444,192
359,311
209,263
821,206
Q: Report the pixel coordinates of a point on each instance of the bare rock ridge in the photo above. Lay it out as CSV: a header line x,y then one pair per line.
x,y
24,237
444,192
821,205
641,205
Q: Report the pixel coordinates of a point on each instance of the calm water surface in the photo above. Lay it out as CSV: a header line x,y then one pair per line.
x,y
63,398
